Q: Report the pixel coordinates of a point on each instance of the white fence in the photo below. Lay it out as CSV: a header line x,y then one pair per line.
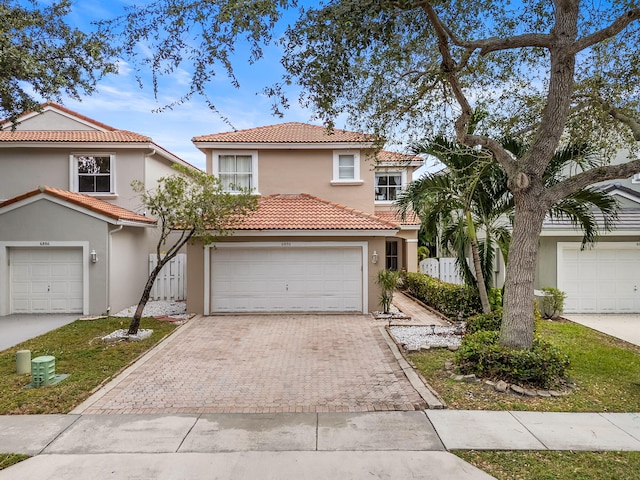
x,y
171,283
444,269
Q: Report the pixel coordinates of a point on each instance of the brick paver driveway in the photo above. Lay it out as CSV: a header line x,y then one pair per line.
x,y
264,363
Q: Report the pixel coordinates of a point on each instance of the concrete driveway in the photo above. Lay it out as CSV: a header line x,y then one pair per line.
x,y
625,327
263,364
15,329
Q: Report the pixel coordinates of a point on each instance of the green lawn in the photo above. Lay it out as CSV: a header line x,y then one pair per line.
x,y
8,459
79,352
545,465
606,372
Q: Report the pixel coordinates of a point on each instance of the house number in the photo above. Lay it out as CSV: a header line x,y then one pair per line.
x,y
286,244
44,244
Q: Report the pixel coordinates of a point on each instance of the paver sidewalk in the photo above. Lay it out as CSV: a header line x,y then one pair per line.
x,y
264,364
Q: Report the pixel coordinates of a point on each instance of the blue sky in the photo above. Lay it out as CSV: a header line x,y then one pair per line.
x,y
121,103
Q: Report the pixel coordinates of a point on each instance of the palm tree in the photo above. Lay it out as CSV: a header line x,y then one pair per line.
x,y
472,194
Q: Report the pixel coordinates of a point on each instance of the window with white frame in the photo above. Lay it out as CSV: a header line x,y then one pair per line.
x,y
346,167
635,178
237,171
388,185
93,173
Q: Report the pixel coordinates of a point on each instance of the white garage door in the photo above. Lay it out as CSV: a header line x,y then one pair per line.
x,y
46,280
291,279
604,279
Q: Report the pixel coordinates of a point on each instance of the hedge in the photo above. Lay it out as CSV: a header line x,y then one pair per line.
x,y
457,302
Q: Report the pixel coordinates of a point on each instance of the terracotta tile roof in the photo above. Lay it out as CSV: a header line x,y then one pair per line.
x,y
86,201
114,136
306,212
393,217
292,132
395,157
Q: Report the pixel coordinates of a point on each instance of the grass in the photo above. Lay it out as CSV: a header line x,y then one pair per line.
x,y
546,465
79,352
8,459
606,372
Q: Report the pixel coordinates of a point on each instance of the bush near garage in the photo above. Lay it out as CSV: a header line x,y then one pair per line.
x,y
457,302
485,321
543,366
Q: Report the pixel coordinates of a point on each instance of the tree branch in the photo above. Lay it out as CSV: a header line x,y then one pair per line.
x,y
577,182
450,68
612,30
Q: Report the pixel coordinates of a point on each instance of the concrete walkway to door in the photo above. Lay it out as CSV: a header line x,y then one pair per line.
x,y
263,364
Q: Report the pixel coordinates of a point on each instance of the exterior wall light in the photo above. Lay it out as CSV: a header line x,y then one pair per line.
x,y
374,257
93,256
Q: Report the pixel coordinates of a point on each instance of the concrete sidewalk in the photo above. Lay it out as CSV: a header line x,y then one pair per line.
x,y
305,445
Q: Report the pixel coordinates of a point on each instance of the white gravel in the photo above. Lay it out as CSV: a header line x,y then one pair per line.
x,y
432,335
157,308
123,334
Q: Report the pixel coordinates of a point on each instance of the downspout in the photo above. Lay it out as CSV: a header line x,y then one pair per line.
x,y
109,249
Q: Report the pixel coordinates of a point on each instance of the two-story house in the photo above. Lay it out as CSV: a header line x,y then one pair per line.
x,y
72,235
324,228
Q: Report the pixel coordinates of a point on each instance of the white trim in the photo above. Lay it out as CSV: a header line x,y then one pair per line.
x,y
635,178
215,165
403,183
285,244
412,163
282,145
563,232
411,240
623,194
356,168
73,171
5,297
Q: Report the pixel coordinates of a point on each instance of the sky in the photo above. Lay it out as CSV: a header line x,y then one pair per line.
x,y
122,104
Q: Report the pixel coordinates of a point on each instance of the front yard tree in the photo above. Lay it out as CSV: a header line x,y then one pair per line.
x,y
189,204
545,71
42,57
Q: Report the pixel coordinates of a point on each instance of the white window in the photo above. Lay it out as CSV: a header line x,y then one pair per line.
x,y
237,170
388,185
346,167
93,173
635,178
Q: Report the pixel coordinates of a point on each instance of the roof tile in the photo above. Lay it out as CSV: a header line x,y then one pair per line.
x,y
114,136
306,212
394,217
90,203
292,132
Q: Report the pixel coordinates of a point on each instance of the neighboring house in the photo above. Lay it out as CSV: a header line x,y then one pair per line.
x,y
324,228
72,235
604,278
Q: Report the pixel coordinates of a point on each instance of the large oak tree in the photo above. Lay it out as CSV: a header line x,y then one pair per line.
x,y
42,57
547,72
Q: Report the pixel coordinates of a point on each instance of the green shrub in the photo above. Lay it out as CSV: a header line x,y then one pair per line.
x,y
388,281
495,298
454,301
552,302
543,366
484,321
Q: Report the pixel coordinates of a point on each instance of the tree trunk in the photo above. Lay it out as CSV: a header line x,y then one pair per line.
x,y
477,265
146,293
518,321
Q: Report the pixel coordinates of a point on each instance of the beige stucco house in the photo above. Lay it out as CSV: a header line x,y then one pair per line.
x,y
73,237
324,228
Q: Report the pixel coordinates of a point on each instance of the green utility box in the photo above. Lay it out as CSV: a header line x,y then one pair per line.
x,y
43,370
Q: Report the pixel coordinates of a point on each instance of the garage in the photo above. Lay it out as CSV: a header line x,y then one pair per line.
x,y
287,277
46,280
603,279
